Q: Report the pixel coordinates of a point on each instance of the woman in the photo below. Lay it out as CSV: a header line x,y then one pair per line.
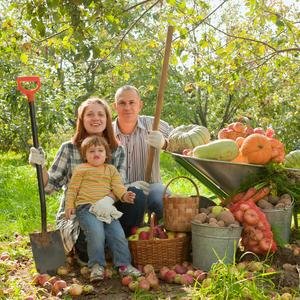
x,y
94,118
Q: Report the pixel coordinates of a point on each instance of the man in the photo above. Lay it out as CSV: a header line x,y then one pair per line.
x,y
135,133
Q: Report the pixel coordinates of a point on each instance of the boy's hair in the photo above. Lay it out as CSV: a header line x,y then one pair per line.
x,y
95,140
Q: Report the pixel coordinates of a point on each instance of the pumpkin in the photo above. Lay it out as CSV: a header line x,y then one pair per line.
x,y
292,160
225,149
257,148
240,159
187,137
235,130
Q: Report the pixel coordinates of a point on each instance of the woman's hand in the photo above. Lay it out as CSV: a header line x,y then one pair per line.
x,y
128,197
69,212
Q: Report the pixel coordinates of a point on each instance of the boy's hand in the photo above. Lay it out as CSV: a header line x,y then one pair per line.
x,y
69,212
128,197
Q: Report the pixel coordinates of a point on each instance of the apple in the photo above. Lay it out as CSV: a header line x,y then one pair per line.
x,y
177,279
144,235
216,210
42,278
199,275
148,269
179,269
133,237
133,285
133,230
144,285
140,229
58,286
171,234
63,270
126,280
169,276
186,279
88,289
153,280
162,272
75,289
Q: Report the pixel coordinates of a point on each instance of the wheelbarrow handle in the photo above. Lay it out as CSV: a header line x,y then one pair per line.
x,y
29,93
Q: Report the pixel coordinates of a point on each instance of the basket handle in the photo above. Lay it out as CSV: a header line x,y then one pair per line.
x,y
192,181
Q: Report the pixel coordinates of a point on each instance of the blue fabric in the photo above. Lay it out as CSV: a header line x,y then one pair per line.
x,y
97,233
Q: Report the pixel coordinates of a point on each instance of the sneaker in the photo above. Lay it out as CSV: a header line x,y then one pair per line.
x,y
97,273
129,270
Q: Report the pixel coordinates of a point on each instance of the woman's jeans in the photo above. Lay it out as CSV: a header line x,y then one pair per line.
x,y
98,233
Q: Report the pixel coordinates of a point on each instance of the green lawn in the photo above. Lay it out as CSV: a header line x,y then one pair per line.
x,y
19,199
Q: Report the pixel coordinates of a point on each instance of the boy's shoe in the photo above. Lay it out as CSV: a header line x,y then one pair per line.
x,y
97,273
129,270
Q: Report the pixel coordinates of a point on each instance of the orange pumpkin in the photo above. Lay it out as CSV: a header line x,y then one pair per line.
x,y
239,141
241,159
257,148
278,152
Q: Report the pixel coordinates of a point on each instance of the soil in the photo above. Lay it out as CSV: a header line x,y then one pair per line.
x,y
18,271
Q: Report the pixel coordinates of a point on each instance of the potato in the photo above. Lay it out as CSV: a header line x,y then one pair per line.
x,y
264,204
273,199
227,217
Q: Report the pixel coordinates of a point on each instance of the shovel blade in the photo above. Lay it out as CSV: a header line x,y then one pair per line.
x,y
48,251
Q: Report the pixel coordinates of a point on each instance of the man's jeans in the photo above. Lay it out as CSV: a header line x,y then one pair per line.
x,y
97,233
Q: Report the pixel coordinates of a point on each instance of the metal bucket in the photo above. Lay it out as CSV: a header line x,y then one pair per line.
x,y
211,244
280,221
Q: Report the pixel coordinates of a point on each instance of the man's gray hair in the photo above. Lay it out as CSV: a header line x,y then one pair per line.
x,y
126,88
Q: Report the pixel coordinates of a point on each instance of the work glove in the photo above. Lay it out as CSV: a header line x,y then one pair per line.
x,y
142,185
115,214
103,209
156,139
37,156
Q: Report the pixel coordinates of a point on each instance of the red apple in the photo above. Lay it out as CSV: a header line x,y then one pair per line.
x,y
162,272
153,280
58,286
170,275
42,278
144,235
144,285
133,230
186,279
126,280
179,269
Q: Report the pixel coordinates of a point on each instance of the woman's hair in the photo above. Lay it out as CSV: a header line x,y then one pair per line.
x,y
81,133
95,140
126,88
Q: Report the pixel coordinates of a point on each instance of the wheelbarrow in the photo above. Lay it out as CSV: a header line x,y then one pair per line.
x,y
221,177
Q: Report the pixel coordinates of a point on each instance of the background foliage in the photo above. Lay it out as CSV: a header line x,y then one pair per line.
x,y
229,59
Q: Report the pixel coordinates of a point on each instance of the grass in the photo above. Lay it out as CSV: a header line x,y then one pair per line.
x,y
19,198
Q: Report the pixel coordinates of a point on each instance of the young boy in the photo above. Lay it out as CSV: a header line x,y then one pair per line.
x,y
88,196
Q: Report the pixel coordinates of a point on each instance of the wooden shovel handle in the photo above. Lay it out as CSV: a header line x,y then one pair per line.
x,y
159,100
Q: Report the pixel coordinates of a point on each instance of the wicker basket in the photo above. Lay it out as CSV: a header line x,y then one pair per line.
x,y
179,211
160,252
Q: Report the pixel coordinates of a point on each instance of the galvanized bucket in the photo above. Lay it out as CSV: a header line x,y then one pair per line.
x,y
211,244
280,221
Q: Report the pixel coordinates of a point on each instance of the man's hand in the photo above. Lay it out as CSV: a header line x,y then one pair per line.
x,y
37,156
156,139
142,185
128,197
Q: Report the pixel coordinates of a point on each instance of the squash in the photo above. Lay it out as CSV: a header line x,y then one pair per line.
x,y
187,137
240,159
292,160
225,149
257,149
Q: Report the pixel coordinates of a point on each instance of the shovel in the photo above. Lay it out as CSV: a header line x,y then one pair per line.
x,y
159,99
47,247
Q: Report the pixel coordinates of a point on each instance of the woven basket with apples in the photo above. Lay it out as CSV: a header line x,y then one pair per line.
x,y
156,246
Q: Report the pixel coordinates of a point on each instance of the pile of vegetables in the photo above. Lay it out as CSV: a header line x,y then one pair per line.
x,y
216,216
